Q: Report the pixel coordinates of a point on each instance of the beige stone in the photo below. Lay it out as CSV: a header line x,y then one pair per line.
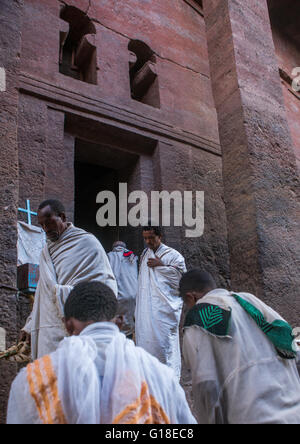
x,y
2,339
2,80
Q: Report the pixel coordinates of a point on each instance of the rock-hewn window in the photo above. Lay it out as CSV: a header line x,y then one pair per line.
x,y
196,4
78,53
143,74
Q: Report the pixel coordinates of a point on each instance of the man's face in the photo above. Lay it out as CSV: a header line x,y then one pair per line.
x,y
52,224
151,239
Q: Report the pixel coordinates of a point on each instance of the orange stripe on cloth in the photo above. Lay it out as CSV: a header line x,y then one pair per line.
x,y
158,413
34,391
145,410
42,382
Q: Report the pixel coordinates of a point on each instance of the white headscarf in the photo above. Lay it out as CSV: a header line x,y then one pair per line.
x,y
78,380
136,387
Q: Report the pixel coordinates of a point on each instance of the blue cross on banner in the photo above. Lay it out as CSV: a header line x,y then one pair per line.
x,y
28,211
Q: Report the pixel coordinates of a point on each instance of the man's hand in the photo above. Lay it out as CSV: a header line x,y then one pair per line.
x,y
152,263
25,337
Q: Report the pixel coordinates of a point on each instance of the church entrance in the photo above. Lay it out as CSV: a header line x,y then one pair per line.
x,y
104,157
100,168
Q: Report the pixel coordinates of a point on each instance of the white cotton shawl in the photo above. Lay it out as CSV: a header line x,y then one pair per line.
x,y
76,257
125,270
97,388
159,306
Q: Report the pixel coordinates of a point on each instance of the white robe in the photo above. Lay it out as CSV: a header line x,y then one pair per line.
x,y
97,377
76,257
239,378
159,306
125,270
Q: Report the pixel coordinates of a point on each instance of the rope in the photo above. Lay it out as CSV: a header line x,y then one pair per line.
x,y
17,353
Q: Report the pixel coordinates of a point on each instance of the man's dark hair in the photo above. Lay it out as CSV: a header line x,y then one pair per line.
x,y
196,280
91,301
55,205
149,227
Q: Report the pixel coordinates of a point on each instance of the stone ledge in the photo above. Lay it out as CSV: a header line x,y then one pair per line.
x,y
103,110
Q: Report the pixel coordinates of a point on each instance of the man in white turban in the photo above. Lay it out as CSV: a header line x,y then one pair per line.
x,y
124,266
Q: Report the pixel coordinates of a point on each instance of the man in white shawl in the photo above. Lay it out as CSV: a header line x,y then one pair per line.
x,y
158,305
70,256
241,354
96,376
124,266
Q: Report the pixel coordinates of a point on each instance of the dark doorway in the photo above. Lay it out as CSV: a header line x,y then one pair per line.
x,y
100,168
89,181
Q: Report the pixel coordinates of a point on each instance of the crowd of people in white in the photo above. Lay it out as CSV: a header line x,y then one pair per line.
x,y
104,335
